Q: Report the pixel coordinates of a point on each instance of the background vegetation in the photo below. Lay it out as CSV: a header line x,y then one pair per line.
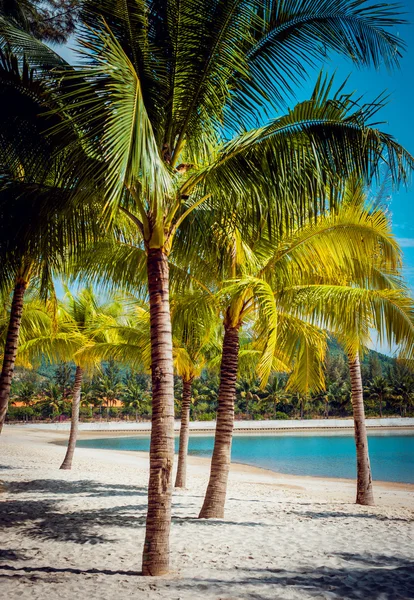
x,y
117,392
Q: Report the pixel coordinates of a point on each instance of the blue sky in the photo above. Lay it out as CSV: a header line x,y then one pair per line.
x,y
397,117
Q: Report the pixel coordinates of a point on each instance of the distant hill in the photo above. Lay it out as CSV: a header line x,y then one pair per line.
x,y
335,349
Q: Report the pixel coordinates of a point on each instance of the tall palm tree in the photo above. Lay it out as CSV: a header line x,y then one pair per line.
x,y
342,241
376,298
80,318
18,321
165,86
108,385
350,311
403,386
194,320
39,226
379,388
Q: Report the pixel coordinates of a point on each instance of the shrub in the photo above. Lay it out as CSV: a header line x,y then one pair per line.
x,y
20,413
207,416
280,416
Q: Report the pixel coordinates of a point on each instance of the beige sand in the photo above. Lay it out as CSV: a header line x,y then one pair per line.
x,y
79,534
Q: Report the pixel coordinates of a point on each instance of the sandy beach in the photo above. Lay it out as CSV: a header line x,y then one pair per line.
x,y
79,533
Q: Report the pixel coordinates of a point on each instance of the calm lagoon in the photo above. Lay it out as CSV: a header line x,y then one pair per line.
x,y
318,455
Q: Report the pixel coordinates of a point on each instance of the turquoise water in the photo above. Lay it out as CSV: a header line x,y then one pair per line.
x,y
392,456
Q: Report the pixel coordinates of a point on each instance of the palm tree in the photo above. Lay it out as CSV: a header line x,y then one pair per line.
x,y
350,312
80,319
136,398
136,393
39,226
108,385
340,241
52,399
276,393
379,389
194,320
33,320
403,388
164,88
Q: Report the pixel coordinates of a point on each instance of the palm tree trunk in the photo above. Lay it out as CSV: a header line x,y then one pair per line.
x,y
10,349
74,424
380,406
155,560
213,507
181,478
364,480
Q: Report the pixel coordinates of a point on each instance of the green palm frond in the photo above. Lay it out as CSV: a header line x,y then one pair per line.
x,y
61,347
38,54
82,322
293,31
306,345
326,138
115,123
350,312
111,264
351,241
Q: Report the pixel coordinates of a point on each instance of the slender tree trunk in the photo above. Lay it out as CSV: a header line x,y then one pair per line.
x,y
155,560
181,478
213,507
380,406
74,424
10,349
364,480
301,409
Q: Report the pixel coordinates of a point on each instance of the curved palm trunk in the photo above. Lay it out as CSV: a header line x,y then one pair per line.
x,y
213,507
181,478
74,425
155,560
10,349
364,479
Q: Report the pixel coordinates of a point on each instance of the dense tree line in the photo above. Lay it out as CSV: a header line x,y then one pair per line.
x,y
120,393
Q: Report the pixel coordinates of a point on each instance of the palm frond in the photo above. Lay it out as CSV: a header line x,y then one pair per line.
x,y
106,103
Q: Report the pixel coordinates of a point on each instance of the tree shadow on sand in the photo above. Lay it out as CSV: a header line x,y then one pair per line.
x,y
328,514
216,522
46,517
372,577
71,570
86,487
43,519
11,555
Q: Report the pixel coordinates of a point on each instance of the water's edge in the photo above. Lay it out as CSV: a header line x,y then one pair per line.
x,y
392,423
326,455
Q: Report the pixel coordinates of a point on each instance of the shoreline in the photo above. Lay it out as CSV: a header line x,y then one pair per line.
x,y
297,480
270,427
